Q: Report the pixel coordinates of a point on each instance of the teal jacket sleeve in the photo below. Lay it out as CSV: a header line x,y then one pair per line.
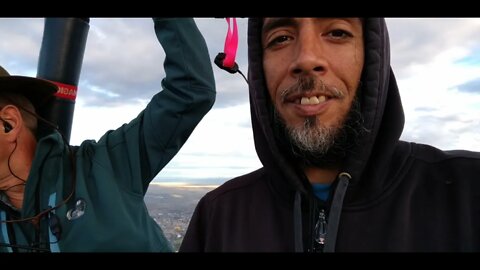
x,y
137,151
188,91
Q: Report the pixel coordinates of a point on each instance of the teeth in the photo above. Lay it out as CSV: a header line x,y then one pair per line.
x,y
311,101
314,100
305,101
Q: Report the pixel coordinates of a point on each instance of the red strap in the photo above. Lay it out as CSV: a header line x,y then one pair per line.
x,y
231,44
66,91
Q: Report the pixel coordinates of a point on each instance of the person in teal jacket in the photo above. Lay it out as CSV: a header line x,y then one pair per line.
x,y
55,197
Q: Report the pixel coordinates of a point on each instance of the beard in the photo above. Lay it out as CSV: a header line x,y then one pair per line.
x,y
314,144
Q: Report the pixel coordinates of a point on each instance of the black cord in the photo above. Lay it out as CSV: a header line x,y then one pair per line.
x,y
243,76
24,247
5,190
8,163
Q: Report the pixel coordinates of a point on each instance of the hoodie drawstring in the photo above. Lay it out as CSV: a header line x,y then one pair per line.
x,y
297,222
335,211
334,215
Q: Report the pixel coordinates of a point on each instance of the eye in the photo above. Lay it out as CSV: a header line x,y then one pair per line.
x,y
339,34
278,41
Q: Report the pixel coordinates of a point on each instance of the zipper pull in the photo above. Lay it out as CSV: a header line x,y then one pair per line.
x,y
321,228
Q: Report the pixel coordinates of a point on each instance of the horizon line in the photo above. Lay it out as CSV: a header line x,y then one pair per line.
x,y
182,184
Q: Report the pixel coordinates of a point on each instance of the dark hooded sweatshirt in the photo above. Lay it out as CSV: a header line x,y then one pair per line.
x,y
391,195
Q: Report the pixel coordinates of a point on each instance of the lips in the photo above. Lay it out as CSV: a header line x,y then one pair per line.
x,y
305,98
309,103
311,100
310,96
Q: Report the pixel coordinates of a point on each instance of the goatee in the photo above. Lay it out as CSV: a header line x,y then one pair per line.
x,y
314,144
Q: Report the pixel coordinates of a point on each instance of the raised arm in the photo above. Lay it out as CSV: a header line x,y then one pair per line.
x,y
140,149
188,91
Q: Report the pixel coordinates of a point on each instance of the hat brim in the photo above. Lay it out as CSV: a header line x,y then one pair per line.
x,y
38,91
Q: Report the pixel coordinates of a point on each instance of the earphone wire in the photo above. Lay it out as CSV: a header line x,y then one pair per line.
x,y
24,247
16,185
10,168
239,71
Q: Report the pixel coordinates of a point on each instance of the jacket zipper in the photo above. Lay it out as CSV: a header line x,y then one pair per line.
x,y
320,231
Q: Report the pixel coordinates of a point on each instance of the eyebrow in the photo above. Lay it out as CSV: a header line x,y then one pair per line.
x,y
278,22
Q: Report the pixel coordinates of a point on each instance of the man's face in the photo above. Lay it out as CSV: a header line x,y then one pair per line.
x,y
312,68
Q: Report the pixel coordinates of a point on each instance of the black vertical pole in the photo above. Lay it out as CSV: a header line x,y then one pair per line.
x,y
60,61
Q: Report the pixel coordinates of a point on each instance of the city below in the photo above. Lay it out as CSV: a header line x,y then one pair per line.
x,y
171,205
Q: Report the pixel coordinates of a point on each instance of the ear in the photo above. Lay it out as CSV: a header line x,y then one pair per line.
x,y
13,124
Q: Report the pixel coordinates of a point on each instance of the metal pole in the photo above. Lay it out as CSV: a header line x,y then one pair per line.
x,y
60,61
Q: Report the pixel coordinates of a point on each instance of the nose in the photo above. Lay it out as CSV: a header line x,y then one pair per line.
x,y
309,58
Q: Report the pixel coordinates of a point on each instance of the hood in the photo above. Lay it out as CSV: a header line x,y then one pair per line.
x,y
380,105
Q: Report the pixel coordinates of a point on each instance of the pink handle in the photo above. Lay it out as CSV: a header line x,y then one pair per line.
x,y
231,44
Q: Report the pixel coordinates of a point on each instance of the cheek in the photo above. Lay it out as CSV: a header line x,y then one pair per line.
x,y
276,74
350,71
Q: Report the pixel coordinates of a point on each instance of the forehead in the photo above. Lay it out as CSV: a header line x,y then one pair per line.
x,y
272,23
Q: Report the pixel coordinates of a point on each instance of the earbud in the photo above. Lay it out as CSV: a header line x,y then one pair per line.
x,y
6,126
219,61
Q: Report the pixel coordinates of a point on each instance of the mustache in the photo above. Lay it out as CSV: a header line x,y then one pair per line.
x,y
305,84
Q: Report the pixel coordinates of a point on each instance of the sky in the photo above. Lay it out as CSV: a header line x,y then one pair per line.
x,y
436,64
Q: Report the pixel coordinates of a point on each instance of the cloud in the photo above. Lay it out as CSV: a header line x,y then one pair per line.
x,y
437,111
416,41
124,59
447,132
425,109
20,41
221,146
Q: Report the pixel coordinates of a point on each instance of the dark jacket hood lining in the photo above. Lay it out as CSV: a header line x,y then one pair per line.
x,y
380,105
